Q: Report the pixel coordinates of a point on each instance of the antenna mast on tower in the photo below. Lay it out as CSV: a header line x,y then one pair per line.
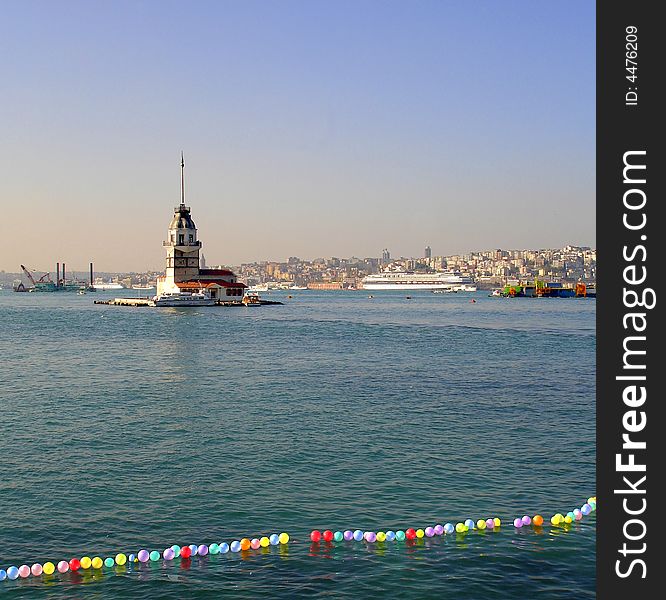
x,y
182,179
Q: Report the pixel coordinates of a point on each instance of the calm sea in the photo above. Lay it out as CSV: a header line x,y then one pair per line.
x,y
128,428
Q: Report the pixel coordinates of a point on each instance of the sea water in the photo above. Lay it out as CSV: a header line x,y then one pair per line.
x,y
126,428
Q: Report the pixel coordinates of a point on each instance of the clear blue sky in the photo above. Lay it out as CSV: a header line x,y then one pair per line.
x,y
310,128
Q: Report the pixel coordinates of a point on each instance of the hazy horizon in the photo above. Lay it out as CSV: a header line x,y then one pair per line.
x,y
309,129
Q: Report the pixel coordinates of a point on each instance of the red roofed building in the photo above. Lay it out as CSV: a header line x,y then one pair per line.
x,y
182,261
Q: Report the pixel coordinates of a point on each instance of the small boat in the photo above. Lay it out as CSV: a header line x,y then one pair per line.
x,y
496,292
81,292
408,297
371,297
183,299
252,299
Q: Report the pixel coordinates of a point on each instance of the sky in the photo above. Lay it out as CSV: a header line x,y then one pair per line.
x,y
310,128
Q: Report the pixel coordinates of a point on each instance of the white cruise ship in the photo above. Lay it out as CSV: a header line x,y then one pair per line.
x,y
100,284
401,280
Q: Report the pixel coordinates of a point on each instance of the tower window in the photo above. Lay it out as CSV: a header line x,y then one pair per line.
x,y
191,238
181,239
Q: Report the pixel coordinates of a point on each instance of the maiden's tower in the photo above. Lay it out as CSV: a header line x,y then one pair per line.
x,y
183,272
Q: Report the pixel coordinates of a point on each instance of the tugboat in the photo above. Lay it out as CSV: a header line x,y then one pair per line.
x,y
251,299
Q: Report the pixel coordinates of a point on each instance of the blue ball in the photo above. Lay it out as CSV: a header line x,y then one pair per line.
x,y
130,558
194,549
12,572
470,523
358,535
3,574
390,535
235,546
449,528
224,548
274,539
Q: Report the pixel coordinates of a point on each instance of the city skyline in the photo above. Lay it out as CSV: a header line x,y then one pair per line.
x,y
307,128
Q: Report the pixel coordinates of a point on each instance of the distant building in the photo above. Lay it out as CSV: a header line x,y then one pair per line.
x,y
428,252
386,256
184,272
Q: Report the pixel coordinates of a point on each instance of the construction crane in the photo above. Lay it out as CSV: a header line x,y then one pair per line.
x,y
42,279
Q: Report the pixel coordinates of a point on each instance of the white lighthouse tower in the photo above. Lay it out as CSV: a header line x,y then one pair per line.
x,y
182,245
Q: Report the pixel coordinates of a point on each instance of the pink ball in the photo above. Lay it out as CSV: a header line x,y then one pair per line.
x,y
490,523
169,554
255,544
517,523
63,566
526,520
36,569
24,571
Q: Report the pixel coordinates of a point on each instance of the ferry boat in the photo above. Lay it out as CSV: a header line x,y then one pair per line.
x,y
183,299
99,284
400,280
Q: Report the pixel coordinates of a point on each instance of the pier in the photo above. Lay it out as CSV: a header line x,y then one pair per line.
x,y
148,302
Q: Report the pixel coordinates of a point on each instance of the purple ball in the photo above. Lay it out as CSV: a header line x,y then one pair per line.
x,y
526,520
370,536
490,523
143,555
202,550
438,529
429,531
348,535
168,554
518,523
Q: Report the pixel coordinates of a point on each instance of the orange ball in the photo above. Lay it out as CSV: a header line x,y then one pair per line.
x,y
537,520
245,544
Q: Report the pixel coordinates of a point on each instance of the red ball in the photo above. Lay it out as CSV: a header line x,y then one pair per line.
x,y
74,564
186,551
315,536
410,534
328,535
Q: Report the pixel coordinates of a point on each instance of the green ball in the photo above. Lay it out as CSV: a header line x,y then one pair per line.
x,y
214,548
109,562
154,555
337,536
400,535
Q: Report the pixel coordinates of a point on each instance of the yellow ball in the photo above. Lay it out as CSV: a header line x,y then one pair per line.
x,y
381,536
497,522
85,562
555,519
283,538
48,568
480,524
592,499
121,559
568,519
460,527
264,541
420,533
97,563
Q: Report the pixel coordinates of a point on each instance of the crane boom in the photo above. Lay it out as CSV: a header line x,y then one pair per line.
x,y
30,277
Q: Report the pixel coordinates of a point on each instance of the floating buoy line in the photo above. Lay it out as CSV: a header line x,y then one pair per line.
x,y
110,563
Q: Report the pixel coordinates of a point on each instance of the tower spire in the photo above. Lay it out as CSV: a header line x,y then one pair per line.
x,y
182,179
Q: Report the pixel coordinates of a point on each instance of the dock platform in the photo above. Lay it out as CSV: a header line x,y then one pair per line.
x,y
148,302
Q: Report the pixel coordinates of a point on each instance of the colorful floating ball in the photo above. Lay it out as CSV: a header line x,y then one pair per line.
x,y
74,564
460,528
131,558
371,537
185,552
97,562
143,555
586,509
538,520
63,566
497,522
109,562
381,536
449,528
348,535
593,505
86,561
48,568
429,531
24,571
556,519
490,524
517,523
224,548
284,538
592,499
154,556
327,535
215,548
438,529
568,519
255,544
274,539
235,546
176,550
36,570
469,524
3,574
390,535
337,536
358,535
245,544
193,549
202,550
410,533
264,542
121,559
400,535
420,533
315,535
12,572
